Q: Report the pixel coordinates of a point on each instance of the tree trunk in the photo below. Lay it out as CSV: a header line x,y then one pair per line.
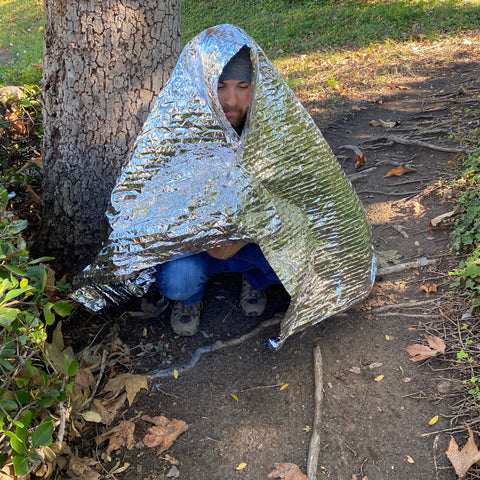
x,y
105,62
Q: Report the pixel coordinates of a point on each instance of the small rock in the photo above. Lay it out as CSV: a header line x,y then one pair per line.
x,y
174,472
448,386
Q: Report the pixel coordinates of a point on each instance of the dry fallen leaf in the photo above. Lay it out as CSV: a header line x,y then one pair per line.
x,y
132,383
81,468
284,386
234,397
398,171
435,221
433,420
119,436
108,409
463,459
287,471
16,124
91,416
171,459
164,432
428,288
422,352
361,160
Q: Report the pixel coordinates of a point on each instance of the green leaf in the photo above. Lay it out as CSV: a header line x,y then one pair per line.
x,y
8,315
16,443
42,436
45,402
23,397
48,314
18,226
73,368
3,459
39,260
16,270
20,465
5,363
16,292
63,308
8,404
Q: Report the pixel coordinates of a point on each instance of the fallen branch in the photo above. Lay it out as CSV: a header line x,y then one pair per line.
x,y
385,308
63,420
421,262
314,448
218,345
419,143
400,194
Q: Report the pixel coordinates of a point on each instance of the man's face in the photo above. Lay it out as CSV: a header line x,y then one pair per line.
x,y
235,97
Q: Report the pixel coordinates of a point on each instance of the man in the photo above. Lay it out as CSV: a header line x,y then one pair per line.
x,y
230,173
184,279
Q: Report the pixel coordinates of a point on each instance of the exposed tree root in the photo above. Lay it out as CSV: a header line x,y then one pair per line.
x,y
218,345
421,262
314,448
420,143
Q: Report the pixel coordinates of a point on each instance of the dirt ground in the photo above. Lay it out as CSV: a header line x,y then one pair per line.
x,y
372,427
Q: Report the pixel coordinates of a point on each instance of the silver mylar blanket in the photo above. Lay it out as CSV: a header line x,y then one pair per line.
x,y
193,184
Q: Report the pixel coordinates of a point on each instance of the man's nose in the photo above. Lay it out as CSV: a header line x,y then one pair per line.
x,y
230,98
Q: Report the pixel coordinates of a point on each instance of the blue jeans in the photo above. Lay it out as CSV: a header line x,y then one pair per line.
x,y
184,278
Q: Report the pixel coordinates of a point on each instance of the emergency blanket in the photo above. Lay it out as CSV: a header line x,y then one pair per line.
x,y
193,184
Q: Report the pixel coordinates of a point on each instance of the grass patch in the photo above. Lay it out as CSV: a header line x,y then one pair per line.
x,y
283,28
286,27
21,41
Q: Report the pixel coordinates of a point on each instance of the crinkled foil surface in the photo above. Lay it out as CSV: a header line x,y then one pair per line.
x,y
193,184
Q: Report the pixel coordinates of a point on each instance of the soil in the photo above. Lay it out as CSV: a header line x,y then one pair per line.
x,y
372,427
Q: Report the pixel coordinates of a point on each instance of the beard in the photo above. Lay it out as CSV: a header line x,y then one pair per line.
x,y
238,121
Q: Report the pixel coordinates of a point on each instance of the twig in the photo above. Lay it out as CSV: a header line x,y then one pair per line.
x,y
401,305
401,230
314,448
421,262
411,315
63,419
99,379
435,447
419,143
378,192
219,344
261,386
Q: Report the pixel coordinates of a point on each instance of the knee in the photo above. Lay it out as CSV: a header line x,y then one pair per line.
x,y
182,278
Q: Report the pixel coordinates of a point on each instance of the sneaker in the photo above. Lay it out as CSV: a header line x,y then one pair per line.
x,y
185,319
252,302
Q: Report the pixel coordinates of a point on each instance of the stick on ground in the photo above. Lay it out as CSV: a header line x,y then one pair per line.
x,y
314,448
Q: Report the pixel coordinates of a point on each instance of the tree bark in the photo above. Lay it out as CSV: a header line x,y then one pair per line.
x,y
105,62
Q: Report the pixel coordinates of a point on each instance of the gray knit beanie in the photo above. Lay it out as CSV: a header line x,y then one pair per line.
x,y
239,67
